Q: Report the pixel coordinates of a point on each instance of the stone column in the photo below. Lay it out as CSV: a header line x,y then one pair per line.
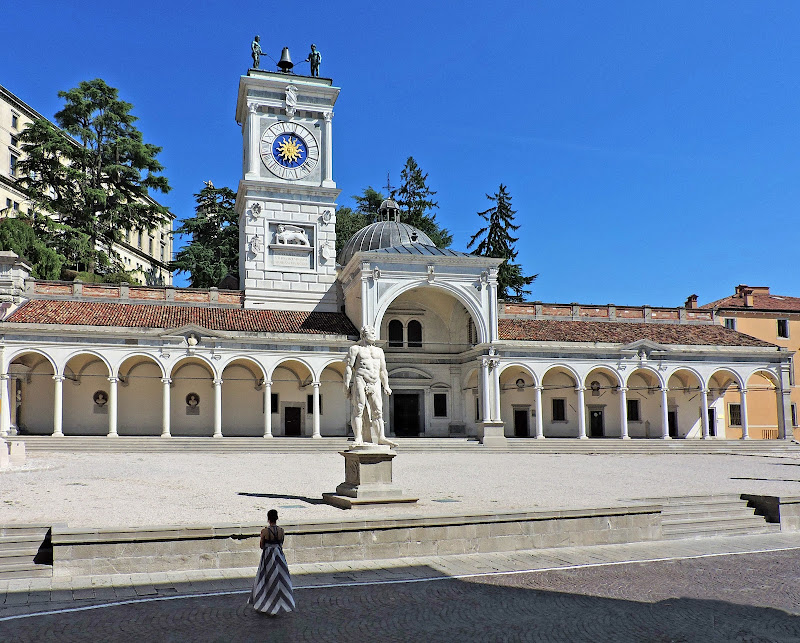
x,y
165,407
217,408
745,434
58,401
327,164
112,407
664,414
783,392
539,412
268,409
485,411
704,411
364,300
581,413
623,413
253,135
496,393
316,433
5,408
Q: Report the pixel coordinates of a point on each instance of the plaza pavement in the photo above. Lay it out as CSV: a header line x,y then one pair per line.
x,y
743,588
85,490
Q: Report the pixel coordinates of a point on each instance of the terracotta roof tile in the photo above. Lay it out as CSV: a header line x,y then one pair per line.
x,y
549,330
777,303
89,313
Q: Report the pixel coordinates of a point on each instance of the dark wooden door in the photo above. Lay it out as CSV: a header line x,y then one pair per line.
x,y
406,415
596,424
712,422
521,423
672,421
291,420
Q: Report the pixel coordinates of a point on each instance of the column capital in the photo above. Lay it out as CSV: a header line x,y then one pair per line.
x,y
664,389
252,107
4,376
217,382
315,384
113,380
538,387
623,389
166,380
580,389
58,378
743,391
328,116
268,383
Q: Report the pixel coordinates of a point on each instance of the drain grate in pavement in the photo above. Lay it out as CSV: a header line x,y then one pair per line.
x,y
445,500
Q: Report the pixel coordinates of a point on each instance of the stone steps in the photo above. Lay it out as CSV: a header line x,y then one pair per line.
x,y
25,551
201,444
703,516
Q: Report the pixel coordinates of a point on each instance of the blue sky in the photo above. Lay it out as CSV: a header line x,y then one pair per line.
x,y
651,149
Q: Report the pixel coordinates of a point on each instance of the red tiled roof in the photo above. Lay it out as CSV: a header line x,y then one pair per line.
x,y
89,313
550,330
778,303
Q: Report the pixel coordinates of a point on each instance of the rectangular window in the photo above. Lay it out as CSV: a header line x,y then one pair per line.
x,y
477,409
12,166
14,120
440,405
150,250
633,411
274,402
16,206
794,414
791,370
14,141
735,414
730,323
310,404
140,239
783,328
559,409
8,203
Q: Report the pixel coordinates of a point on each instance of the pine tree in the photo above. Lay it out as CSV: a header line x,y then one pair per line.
x,y
495,240
213,252
97,177
18,234
415,200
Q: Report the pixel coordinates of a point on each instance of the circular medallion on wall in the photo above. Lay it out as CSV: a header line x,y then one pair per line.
x,y
289,150
100,398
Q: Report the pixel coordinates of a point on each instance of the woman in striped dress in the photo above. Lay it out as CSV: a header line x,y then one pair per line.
x,y
272,591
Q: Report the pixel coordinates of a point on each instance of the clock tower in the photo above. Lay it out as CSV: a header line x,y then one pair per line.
x,y
286,198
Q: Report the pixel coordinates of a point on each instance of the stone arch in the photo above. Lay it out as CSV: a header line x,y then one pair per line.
x,y
192,396
763,397
606,370
563,367
518,398
732,374
652,371
145,357
97,355
242,397
290,391
472,307
521,365
334,406
32,391
140,394
86,381
561,408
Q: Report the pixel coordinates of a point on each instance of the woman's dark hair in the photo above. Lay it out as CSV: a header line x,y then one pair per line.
x,y
272,515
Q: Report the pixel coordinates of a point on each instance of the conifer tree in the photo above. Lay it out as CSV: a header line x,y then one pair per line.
x,y
213,252
495,240
349,221
95,174
415,199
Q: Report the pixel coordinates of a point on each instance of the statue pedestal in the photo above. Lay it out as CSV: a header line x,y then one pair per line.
x,y
492,434
367,479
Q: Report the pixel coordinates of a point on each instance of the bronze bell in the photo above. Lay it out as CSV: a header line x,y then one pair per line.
x,y
285,63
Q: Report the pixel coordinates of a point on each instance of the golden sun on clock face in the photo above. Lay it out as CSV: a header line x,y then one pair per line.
x,y
289,150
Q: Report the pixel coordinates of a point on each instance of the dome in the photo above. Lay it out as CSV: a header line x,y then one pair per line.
x,y
383,234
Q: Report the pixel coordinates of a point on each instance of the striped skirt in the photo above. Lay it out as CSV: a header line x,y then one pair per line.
x,y
272,590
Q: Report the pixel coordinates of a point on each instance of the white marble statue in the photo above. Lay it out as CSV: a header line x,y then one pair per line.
x,y
365,381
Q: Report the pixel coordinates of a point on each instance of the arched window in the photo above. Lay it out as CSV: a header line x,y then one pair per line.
x,y
414,334
396,333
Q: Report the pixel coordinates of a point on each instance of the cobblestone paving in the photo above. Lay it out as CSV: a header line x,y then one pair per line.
x,y
751,597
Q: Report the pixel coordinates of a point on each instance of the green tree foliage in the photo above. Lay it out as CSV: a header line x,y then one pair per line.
x,y
349,221
19,236
415,200
213,251
97,181
495,240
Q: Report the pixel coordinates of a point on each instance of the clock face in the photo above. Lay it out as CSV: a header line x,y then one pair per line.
x,y
289,150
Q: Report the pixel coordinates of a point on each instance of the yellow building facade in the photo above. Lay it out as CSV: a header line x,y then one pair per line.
x,y
755,311
142,252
